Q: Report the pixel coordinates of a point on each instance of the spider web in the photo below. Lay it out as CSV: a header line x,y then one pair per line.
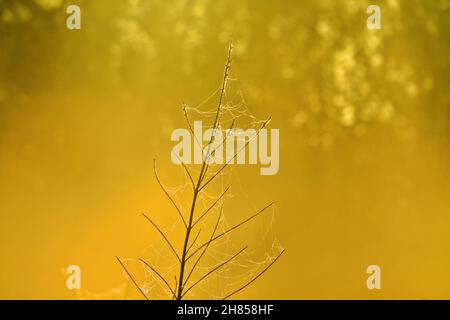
x,y
263,246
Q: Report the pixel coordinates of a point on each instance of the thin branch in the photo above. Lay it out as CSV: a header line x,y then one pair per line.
x,y
163,235
206,247
185,169
213,270
167,193
231,229
159,275
186,116
175,290
251,281
193,242
235,155
188,173
222,143
219,106
200,178
215,202
131,277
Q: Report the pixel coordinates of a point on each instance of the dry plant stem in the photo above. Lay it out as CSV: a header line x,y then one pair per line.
x,y
206,247
255,278
167,193
216,119
235,155
175,289
212,206
186,241
187,171
213,270
164,236
221,144
186,116
132,279
189,174
179,292
193,241
159,275
200,178
229,230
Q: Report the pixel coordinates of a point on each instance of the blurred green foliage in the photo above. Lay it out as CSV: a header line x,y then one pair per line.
x,y
314,63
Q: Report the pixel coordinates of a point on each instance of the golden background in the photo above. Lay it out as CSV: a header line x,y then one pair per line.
x,y
364,133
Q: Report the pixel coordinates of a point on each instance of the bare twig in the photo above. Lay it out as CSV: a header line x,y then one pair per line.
x,y
251,281
206,247
219,105
167,193
229,230
186,170
175,289
186,116
204,178
188,173
209,209
193,241
132,279
164,236
213,270
158,274
235,155
200,178
221,144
